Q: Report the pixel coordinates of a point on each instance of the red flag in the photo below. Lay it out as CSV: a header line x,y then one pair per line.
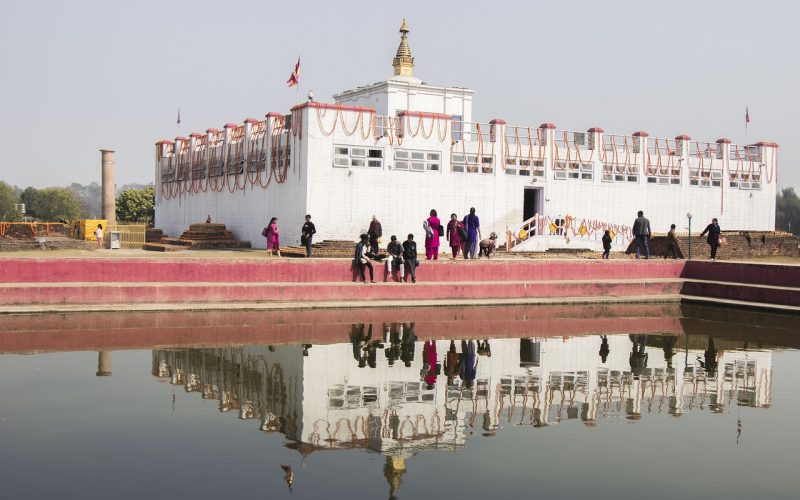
x,y
746,114
294,79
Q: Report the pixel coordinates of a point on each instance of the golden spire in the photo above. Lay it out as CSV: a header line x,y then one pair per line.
x,y
403,62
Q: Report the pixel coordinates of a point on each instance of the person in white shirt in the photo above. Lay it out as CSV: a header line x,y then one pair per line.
x,y
99,235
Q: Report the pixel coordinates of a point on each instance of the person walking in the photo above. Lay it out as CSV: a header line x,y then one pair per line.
x,y
606,244
273,239
455,233
360,259
714,232
672,243
98,233
641,233
432,233
395,258
374,233
472,225
307,235
410,257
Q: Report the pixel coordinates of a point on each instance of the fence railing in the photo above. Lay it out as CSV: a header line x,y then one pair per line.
x,y
568,227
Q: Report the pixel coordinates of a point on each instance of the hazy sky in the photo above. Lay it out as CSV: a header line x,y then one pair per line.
x,y
77,76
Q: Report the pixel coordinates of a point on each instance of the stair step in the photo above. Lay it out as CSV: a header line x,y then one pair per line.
x,y
197,292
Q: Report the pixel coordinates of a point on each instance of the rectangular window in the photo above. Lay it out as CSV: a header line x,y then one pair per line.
x,y
420,160
652,180
350,156
559,174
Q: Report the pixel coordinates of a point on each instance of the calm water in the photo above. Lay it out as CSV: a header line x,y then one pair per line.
x,y
694,403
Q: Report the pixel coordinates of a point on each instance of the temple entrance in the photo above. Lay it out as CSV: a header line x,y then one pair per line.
x,y
533,202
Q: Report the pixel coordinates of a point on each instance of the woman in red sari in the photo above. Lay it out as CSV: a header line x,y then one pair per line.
x,y
454,229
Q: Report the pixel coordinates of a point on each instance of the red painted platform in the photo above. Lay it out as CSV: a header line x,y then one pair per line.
x,y
155,293
319,270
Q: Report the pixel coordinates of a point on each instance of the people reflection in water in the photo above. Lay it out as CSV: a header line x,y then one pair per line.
x,y
393,472
638,357
452,363
709,362
604,349
393,338
469,366
669,351
429,363
484,349
407,344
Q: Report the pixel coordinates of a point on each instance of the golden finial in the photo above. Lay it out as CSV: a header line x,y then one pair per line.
x,y
403,63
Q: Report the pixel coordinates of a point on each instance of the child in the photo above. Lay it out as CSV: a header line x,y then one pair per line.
x,y
672,241
606,243
99,235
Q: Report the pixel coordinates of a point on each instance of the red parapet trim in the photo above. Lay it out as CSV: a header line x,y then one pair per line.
x,y
181,138
231,125
251,120
497,121
213,131
424,114
548,125
273,114
723,140
195,135
766,144
338,107
164,141
683,138
640,133
596,129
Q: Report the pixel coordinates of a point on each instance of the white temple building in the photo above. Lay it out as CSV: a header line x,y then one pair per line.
x,y
401,147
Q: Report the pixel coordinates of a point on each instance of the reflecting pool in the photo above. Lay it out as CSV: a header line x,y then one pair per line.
x,y
662,401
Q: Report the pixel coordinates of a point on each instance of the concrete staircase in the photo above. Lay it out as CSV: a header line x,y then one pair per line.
x,y
773,285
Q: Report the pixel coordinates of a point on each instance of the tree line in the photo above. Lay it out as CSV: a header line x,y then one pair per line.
x,y
135,203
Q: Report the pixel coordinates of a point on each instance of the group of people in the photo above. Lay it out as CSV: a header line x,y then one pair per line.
x,y
642,233
463,236
398,342
272,233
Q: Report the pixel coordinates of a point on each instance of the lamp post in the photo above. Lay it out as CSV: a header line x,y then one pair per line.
x,y
689,215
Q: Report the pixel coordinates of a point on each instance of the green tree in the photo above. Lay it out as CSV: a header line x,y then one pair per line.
x,y
787,211
28,197
137,205
54,203
8,200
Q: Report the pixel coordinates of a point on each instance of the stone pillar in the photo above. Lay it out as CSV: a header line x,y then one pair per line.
x,y
109,187
640,152
548,135
682,145
595,144
103,364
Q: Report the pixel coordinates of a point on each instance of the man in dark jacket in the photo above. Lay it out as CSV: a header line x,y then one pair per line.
x,y
713,231
410,257
395,259
308,232
641,233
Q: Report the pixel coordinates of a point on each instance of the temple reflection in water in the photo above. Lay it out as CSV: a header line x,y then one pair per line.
x,y
389,392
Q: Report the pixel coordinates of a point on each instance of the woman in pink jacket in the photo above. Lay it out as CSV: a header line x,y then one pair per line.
x,y
273,238
432,237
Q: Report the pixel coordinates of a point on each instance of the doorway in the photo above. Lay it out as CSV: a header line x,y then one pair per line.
x,y
533,202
